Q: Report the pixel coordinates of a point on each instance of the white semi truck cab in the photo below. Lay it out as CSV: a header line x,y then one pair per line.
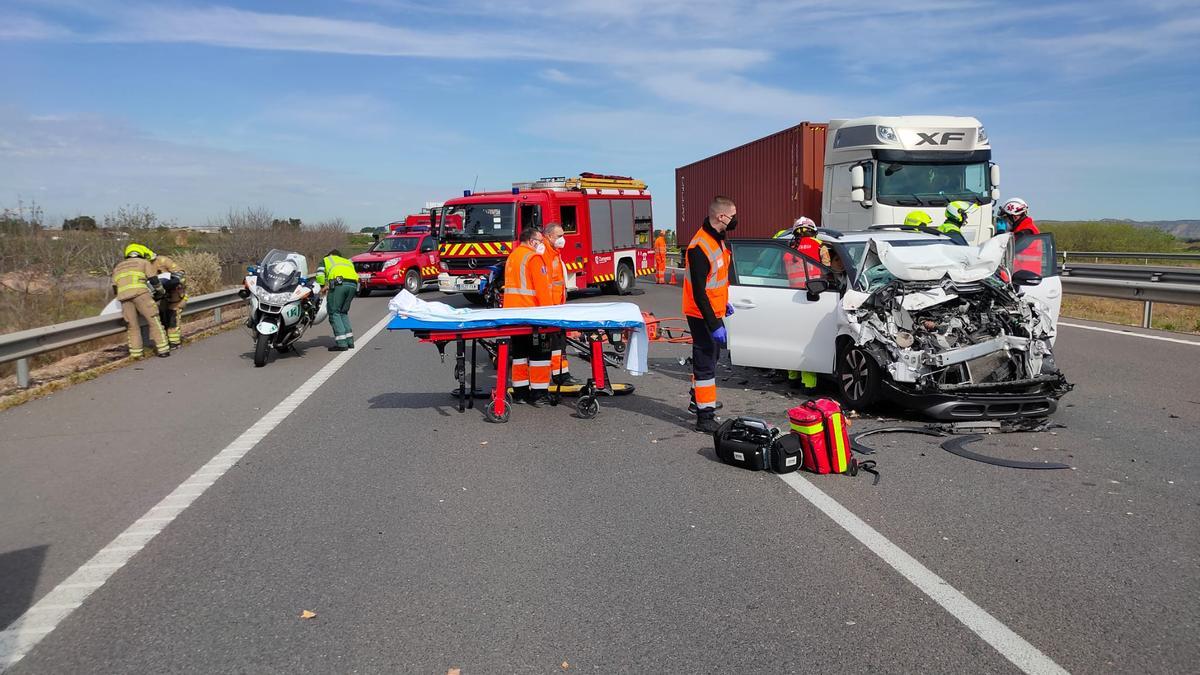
x,y
880,169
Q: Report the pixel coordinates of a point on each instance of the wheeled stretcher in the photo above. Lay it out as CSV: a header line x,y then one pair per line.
x,y
594,326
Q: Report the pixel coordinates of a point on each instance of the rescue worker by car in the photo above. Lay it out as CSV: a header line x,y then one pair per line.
x,y
560,371
706,304
170,307
339,280
956,218
918,218
803,235
660,257
1015,214
135,284
527,284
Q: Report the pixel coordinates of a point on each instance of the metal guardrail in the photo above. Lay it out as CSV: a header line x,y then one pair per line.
x,y
1110,255
22,345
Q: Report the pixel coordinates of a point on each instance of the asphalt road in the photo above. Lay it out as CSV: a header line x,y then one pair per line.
x,y
425,539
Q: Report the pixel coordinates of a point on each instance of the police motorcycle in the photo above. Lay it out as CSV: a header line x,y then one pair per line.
x,y
284,302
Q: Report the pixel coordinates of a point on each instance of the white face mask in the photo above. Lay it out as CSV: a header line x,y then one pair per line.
x,y
560,242
540,248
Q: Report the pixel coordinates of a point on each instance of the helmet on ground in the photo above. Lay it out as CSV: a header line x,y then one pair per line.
x,y
956,212
139,251
918,219
1015,208
804,227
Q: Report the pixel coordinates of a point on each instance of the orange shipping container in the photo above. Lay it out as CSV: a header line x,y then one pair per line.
x,y
774,180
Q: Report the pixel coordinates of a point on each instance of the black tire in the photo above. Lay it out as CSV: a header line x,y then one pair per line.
x,y
489,412
858,377
624,282
363,291
587,407
262,347
412,281
476,299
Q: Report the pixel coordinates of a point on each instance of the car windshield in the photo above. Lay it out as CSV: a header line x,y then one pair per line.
x,y
479,222
395,245
925,184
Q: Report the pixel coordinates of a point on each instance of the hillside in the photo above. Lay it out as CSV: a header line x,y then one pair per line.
x,y
1186,230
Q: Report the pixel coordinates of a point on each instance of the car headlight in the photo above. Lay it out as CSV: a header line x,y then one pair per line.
x,y
390,263
442,264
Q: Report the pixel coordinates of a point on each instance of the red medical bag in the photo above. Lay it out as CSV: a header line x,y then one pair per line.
x,y
824,436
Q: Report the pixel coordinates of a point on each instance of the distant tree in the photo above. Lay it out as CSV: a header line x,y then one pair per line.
x,y
24,219
368,230
80,223
285,224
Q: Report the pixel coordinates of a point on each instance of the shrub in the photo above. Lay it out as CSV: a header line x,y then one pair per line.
x,y
203,270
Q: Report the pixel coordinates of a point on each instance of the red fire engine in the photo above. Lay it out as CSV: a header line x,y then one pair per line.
x,y
607,220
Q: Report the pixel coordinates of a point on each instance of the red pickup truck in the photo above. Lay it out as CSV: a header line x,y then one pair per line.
x,y
398,261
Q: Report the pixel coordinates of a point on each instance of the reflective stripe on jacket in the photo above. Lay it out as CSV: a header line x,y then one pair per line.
x,y
526,281
556,272
716,285
129,277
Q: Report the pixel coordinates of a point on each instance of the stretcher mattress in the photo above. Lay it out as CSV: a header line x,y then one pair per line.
x,y
412,313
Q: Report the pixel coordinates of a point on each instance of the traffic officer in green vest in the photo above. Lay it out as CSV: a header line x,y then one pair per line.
x,y
956,217
340,280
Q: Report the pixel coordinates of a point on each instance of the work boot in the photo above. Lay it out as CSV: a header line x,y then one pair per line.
x,y
708,425
566,380
537,398
163,355
337,348
350,346
693,409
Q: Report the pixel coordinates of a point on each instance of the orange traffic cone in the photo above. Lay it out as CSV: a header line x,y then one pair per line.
x,y
672,276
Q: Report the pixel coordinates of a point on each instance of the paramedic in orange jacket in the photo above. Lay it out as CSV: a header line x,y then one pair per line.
x,y
660,257
706,304
560,372
527,284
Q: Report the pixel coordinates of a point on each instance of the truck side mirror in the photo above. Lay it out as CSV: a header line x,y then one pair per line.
x,y
994,177
857,191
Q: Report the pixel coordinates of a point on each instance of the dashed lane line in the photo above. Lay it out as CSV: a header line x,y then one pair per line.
x,y
1130,333
39,620
1002,638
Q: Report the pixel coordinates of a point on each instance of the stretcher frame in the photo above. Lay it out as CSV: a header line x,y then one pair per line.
x,y
499,407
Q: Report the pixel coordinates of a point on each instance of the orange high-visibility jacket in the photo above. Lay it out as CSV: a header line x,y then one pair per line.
x,y
557,272
660,245
716,286
526,281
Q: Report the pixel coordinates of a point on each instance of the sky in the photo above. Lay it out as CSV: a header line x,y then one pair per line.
x,y
366,109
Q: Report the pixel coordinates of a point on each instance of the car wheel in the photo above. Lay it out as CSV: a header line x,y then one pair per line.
x,y
412,281
858,377
363,291
476,299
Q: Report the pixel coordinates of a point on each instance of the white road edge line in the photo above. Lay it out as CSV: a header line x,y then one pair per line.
x,y
1130,333
28,630
1010,645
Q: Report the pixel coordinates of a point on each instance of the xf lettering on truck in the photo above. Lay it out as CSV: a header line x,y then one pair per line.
x,y
947,137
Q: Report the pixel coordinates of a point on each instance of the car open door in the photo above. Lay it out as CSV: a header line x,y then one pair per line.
x,y
775,323
1036,253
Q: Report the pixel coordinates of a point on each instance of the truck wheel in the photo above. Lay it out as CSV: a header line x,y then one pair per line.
x,y
476,299
412,281
262,347
858,377
624,281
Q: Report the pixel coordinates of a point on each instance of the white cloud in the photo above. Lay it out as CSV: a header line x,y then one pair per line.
x,y
557,76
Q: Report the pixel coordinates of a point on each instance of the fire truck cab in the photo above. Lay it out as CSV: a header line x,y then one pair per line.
x,y
607,221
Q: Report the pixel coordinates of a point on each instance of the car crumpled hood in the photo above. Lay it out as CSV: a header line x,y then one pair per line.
x,y
963,264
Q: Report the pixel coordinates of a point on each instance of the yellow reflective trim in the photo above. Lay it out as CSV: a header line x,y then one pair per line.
x,y
812,429
839,457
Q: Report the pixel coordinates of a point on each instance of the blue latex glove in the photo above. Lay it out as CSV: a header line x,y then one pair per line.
x,y
728,309
720,335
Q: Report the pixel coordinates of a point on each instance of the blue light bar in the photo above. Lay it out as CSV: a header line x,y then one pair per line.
x,y
466,193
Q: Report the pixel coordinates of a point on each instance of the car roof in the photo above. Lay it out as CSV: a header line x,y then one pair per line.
x,y
859,236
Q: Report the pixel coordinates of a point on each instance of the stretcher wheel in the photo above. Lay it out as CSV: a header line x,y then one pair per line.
x,y
489,412
587,407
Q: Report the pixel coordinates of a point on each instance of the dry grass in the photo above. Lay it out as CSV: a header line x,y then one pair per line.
x,y
1182,318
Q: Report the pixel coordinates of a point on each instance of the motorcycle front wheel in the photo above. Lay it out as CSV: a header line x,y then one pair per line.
x,y
262,347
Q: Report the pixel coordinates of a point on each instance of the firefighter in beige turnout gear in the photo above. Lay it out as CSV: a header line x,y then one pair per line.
x,y
134,282
171,306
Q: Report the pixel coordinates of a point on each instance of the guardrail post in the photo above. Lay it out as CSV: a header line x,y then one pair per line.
x,y
23,373
217,315
1147,313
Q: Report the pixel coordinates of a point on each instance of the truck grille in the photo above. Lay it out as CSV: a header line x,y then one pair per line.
x,y
368,266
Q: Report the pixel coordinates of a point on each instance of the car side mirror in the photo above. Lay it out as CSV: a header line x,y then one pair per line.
x,y
1026,278
816,287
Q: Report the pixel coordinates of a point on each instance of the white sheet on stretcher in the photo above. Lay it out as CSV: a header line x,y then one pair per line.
x,y
406,305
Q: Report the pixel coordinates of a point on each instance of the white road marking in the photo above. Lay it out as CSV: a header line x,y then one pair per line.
x,y
1010,645
23,634
1130,333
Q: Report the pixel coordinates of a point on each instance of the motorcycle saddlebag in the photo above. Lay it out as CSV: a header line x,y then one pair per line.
x,y
745,442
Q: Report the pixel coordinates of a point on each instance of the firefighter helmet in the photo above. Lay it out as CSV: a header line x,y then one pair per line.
x,y
956,212
918,219
804,227
139,251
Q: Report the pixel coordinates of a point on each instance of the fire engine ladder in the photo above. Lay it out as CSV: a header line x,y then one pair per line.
x,y
605,183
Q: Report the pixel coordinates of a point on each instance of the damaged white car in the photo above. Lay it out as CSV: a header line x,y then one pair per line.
x,y
954,332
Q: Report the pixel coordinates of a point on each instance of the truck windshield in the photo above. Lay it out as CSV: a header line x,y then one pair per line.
x,y
395,245
479,222
926,184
